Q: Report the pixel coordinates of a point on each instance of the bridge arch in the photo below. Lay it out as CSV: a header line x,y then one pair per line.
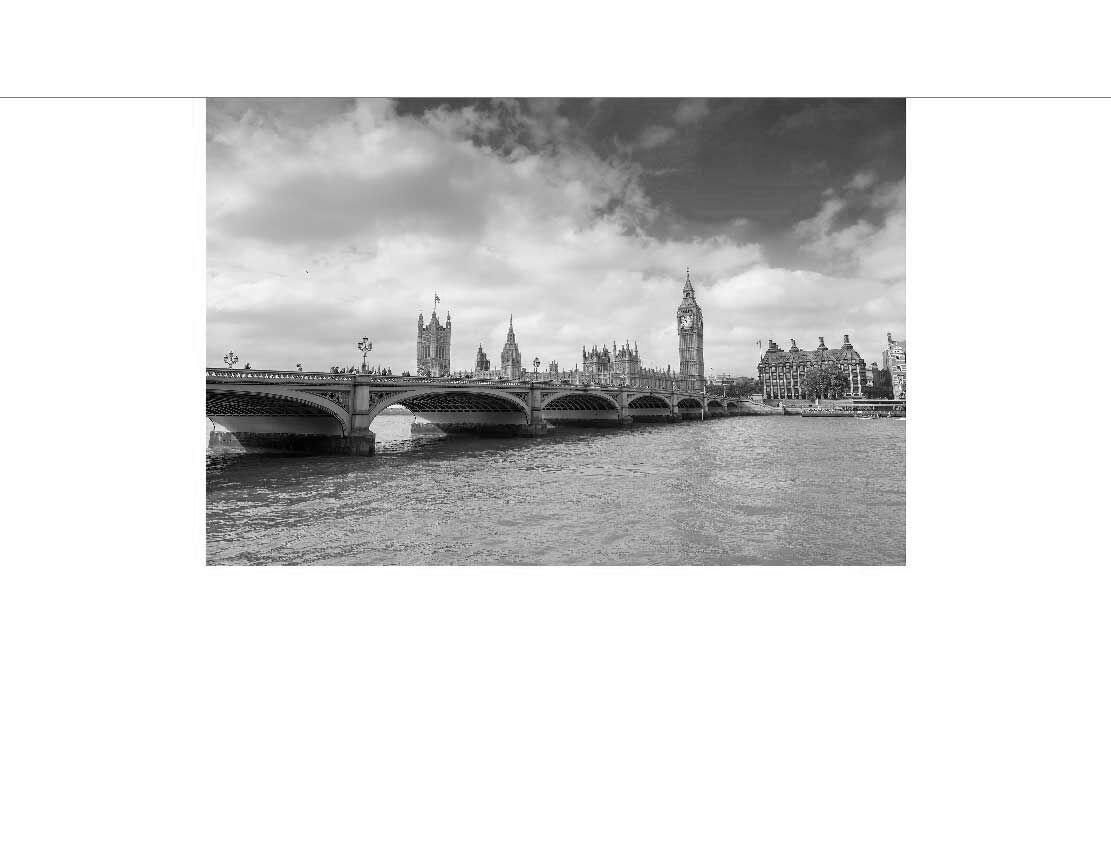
x,y
272,401
689,404
580,401
448,399
649,402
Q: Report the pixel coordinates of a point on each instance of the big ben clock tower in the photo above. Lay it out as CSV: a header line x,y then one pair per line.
x,y
689,318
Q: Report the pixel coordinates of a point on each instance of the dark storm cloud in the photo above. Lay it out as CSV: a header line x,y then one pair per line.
x,y
770,160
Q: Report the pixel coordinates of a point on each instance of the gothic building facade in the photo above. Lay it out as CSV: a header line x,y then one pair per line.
x,y
688,316
433,345
621,366
783,372
511,355
597,364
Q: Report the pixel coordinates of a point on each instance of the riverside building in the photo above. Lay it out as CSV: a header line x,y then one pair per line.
x,y
622,367
481,361
433,345
895,361
511,355
482,369
782,372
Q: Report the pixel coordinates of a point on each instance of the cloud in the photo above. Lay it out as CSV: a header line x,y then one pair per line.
x,y
655,136
863,179
331,220
691,111
871,245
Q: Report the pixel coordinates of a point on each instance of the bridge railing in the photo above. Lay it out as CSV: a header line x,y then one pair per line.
x,y
236,374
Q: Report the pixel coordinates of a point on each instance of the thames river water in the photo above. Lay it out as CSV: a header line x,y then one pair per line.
x,y
767,490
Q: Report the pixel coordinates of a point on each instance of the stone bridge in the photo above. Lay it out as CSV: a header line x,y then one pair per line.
x,y
332,413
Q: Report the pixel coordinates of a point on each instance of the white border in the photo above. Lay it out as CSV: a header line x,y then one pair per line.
x,y
954,708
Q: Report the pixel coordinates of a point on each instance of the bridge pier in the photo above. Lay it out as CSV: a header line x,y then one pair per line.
x,y
534,428
536,425
362,444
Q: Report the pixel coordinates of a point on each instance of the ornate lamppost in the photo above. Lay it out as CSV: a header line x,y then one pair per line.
x,y
231,359
536,368
365,346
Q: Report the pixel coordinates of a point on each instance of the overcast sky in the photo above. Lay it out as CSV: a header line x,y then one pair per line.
x,y
333,219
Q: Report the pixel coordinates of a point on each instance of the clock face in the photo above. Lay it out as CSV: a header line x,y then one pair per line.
x,y
686,321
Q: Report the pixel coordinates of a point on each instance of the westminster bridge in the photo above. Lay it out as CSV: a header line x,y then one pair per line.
x,y
332,413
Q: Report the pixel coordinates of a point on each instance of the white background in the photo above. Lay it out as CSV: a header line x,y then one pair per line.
x,y
954,708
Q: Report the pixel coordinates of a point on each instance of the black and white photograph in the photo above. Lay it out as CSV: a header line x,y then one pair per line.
x,y
559,497
545,331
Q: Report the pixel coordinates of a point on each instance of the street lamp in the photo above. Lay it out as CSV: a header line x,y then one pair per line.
x,y
365,346
231,359
536,368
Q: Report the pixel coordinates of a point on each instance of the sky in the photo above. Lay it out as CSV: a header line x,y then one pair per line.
x,y
333,219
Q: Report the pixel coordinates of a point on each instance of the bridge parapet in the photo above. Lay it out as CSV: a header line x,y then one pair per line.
x,y
285,376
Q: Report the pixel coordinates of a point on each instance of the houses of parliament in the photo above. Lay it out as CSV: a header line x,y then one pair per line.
x,y
619,366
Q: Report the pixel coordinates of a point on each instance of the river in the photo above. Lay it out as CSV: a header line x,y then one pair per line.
x,y
767,490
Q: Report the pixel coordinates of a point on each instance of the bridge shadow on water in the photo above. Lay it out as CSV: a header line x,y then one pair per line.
x,y
222,467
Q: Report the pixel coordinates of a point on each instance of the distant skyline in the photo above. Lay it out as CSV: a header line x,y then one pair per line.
x,y
330,219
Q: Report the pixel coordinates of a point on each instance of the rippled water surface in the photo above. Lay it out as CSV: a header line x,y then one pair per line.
x,y
753,490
